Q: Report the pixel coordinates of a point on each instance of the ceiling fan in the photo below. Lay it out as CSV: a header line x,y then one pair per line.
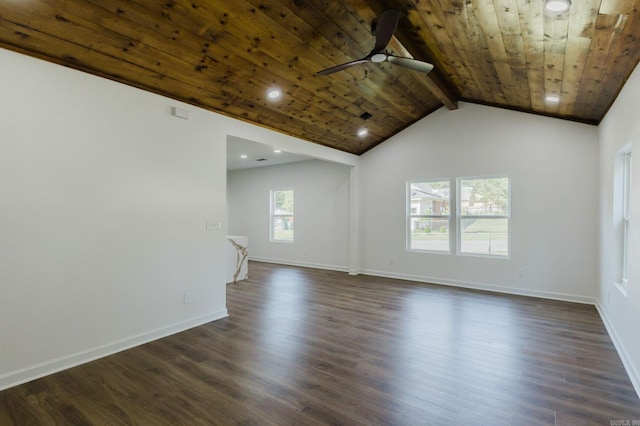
x,y
386,26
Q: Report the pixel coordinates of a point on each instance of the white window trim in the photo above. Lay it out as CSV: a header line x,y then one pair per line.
x,y
273,215
460,217
626,211
410,216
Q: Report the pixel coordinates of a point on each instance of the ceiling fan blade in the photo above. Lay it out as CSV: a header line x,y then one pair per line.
x,y
342,67
387,23
412,64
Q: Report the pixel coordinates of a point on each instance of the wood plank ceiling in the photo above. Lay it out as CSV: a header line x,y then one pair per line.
x,y
223,56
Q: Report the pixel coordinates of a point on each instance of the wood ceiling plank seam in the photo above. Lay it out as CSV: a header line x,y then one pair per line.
x,y
444,27
205,40
485,69
472,59
432,28
555,34
476,59
118,8
602,53
199,60
327,33
531,22
461,29
626,55
489,23
509,22
282,14
555,44
425,21
469,33
346,25
583,15
171,33
81,24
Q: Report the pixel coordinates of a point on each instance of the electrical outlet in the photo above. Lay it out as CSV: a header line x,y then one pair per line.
x,y
520,273
187,298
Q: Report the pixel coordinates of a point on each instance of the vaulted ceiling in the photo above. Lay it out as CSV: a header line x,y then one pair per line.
x,y
224,55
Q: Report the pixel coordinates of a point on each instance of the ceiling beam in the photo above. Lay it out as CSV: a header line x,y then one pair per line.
x,y
402,45
432,80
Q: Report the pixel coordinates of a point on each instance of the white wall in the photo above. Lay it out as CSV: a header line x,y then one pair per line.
x,y
553,169
104,198
621,312
321,197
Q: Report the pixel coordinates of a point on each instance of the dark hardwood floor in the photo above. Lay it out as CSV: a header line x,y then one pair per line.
x,y
307,347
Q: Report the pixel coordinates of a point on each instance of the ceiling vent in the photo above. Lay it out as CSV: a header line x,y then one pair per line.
x,y
365,115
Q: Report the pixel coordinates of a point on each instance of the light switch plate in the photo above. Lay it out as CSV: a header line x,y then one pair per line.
x,y
213,225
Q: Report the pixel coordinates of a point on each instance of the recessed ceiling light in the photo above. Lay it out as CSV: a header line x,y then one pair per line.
x,y
552,99
557,5
363,132
274,93
243,156
277,151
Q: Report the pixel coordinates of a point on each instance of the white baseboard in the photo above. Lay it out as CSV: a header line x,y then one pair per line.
x,y
632,371
53,366
486,287
303,264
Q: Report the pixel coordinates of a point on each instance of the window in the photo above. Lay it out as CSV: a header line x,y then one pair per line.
x,y
428,219
282,215
622,211
483,216
626,198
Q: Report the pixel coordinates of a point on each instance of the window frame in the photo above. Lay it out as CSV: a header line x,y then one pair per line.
x,y
627,168
460,217
273,216
410,216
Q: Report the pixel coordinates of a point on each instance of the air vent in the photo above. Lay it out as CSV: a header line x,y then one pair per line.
x,y
261,159
365,115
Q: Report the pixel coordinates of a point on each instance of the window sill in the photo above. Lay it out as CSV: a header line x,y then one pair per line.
x,y
486,256
622,288
448,252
